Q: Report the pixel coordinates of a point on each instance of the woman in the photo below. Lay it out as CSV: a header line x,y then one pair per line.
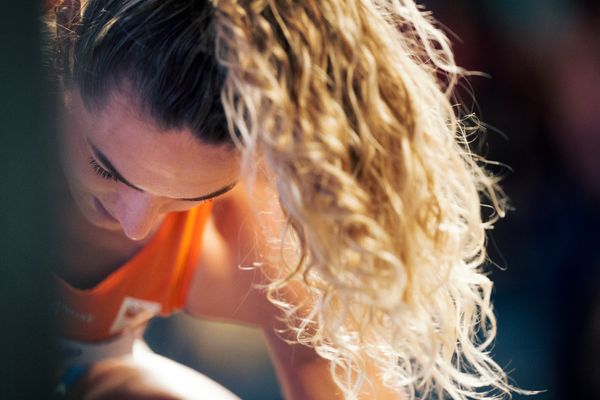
x,y
357,196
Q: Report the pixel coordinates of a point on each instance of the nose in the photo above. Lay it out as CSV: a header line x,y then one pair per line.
x,y
138,213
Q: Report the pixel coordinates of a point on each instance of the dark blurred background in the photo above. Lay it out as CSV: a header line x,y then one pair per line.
x,y
27,225
541,103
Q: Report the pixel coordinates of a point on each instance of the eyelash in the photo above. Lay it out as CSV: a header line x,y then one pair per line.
x,y
101,172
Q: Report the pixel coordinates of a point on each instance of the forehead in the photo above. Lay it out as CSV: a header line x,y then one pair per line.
x,y
172,163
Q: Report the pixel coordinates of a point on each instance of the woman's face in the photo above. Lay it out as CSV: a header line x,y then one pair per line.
x,y
125,173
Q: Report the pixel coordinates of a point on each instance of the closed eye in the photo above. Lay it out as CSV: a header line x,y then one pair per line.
x,y
101,172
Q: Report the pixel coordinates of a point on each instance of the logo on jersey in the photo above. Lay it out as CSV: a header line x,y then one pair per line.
x,y
134,312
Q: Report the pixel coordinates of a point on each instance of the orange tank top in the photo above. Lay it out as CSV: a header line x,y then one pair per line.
x,y
154,282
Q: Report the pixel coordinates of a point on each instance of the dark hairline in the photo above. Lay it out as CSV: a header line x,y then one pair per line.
x,y
180,89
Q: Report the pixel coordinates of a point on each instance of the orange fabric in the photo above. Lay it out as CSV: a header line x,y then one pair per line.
x,y
155,281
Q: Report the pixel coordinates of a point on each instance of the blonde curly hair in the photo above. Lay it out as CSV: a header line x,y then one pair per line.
x,y
349,106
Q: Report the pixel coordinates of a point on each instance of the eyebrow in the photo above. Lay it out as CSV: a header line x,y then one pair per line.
x,y
110,168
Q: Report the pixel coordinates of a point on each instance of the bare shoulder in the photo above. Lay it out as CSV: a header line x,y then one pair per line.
x,y
223,286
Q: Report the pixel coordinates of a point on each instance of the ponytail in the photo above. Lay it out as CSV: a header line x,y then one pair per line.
x,y
348,104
